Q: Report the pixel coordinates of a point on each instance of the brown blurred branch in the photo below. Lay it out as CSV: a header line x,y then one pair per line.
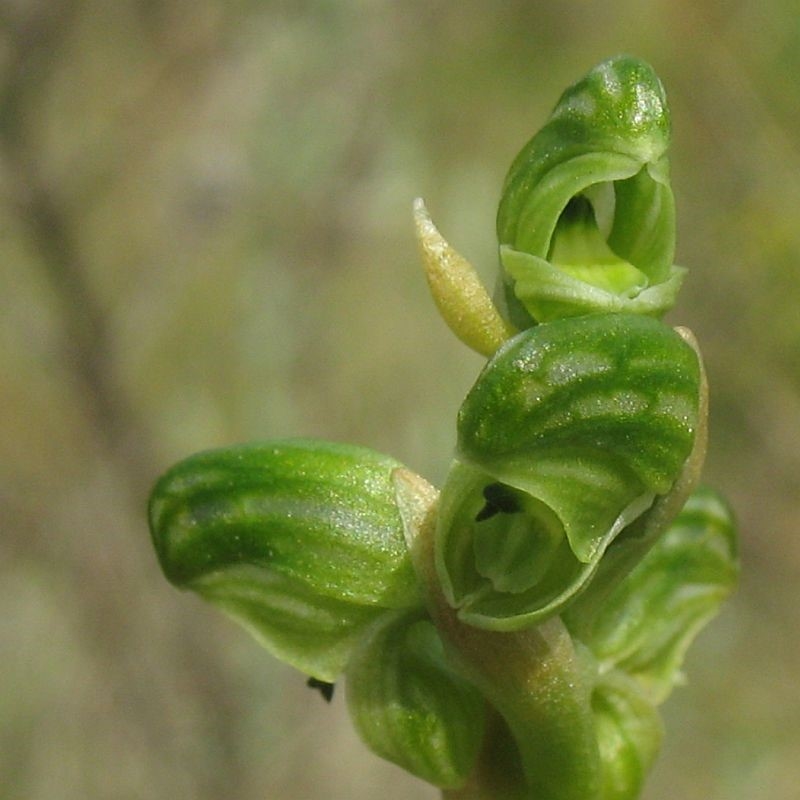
x,y
51,220
38,42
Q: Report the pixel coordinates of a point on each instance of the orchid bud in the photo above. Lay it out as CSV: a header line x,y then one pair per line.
x,y
409,705
300,541
629,733
586,222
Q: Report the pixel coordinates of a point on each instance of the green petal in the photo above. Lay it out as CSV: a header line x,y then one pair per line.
x,y
409,706
300,540
309,631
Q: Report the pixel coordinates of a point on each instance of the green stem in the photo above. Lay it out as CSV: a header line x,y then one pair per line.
x,y
541,743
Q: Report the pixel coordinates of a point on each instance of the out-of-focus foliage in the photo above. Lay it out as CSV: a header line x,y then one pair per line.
x,y
206,238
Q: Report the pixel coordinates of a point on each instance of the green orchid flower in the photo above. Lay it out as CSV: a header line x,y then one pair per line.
x,y
572,431
586,222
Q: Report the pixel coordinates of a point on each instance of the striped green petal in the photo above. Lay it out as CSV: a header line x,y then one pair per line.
x,y
300,540
629,733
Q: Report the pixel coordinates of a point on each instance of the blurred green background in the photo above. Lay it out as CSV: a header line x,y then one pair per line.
x,y
205,238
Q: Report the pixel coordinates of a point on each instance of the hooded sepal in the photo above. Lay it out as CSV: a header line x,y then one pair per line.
x,y
586,222
571,432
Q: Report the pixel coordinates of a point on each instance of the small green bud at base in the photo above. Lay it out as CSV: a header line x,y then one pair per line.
x,y
629,733
409,706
